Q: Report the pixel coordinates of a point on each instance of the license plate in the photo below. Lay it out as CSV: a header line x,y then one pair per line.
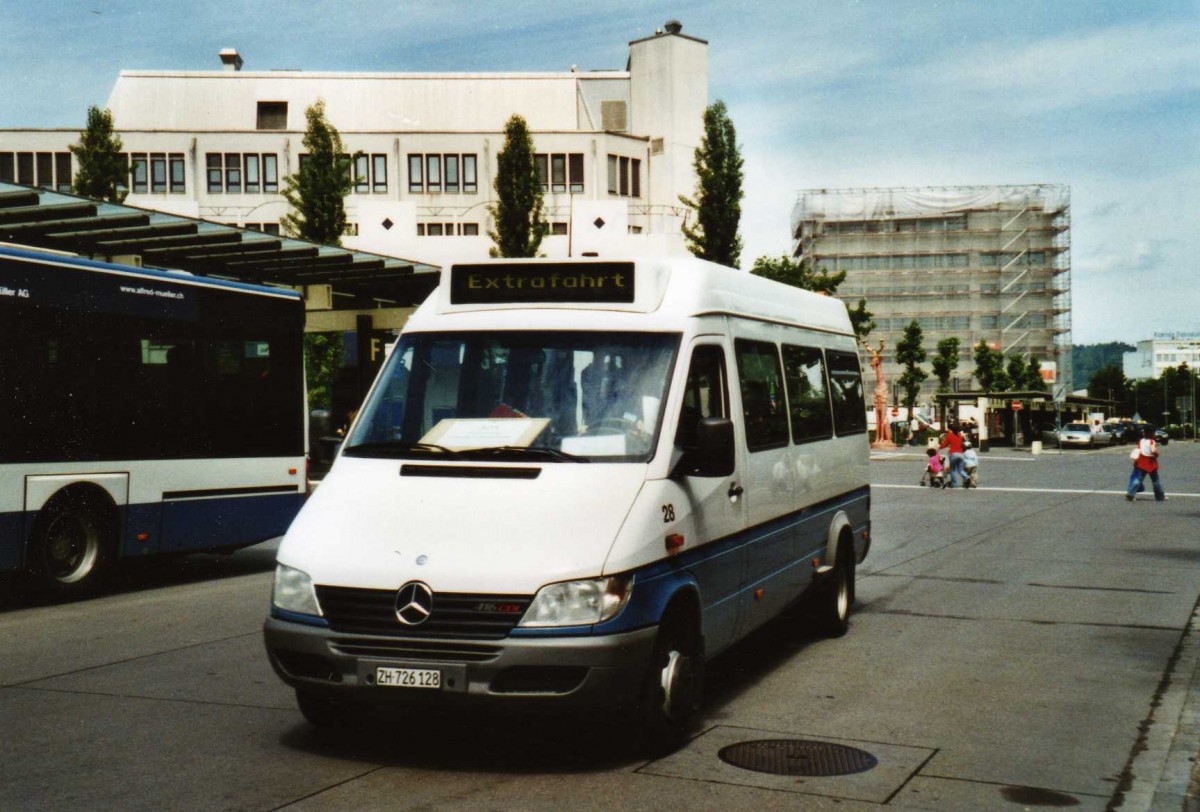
x,y
408,677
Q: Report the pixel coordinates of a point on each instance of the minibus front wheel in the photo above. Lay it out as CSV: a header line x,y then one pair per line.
x,y
674,684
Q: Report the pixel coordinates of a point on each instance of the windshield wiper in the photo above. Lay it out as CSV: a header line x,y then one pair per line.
x,y
534,450
395,448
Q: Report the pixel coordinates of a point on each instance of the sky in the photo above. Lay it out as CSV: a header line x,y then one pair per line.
x,y
1101,96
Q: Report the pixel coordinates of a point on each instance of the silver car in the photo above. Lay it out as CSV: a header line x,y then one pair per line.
x,y
1080,434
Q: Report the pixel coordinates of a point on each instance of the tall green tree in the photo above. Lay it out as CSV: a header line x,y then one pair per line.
x,y
317,192
520,222
910,354
1034,382
798,274
322,360
103,172
717,203
1017,369
989,369
945,362
861,320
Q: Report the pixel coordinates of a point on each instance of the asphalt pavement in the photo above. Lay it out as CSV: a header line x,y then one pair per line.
x,y
1033,643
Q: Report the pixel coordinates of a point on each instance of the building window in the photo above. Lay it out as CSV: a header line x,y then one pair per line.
x,y
379,173
558,229
469,229
49,170
624,176
272,115
178,184
362,174
434,230
468,172
560,172
416,176
350,230
25,168
433,173
265,228
575,171
253,181
233,172
436,173
158,173
138,171
62,171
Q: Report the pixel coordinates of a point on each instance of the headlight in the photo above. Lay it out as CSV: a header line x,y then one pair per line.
x,y
294,592
578,603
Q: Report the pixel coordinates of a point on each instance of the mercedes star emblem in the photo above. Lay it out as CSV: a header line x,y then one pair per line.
x,y
414,603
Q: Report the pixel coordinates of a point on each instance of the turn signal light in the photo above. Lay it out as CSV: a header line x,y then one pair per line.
x,y
674,543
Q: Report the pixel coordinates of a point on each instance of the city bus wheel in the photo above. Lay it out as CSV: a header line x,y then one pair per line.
x,y
673,688
73,543
835,595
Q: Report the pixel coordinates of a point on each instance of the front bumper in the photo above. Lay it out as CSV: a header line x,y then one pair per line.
x,y
549,671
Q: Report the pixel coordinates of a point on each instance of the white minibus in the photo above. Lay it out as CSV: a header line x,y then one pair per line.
x,y
572,483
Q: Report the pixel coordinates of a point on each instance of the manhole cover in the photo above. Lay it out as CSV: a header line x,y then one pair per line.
x,y
797,757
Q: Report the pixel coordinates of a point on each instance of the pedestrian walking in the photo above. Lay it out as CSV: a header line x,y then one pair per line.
x,y
971,464
1145,462
953,442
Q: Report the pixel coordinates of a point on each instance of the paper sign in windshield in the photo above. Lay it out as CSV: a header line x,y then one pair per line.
x,y
486,432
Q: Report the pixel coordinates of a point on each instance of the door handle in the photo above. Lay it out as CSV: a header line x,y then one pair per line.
x,y
735,490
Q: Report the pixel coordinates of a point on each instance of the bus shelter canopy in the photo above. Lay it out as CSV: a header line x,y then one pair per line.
x,y
112,232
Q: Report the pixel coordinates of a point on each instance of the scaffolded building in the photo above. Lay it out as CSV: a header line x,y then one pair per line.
x,y
978,263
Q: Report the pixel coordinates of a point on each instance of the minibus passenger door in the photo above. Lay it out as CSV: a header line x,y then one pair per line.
x,y
709,475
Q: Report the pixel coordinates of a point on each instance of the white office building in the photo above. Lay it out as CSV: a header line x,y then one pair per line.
x,y
615,148
1165,351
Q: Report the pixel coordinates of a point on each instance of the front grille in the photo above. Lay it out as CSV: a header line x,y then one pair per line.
x,y
454,615
426,650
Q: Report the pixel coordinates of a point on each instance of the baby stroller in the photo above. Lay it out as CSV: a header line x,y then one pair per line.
x,y
935,471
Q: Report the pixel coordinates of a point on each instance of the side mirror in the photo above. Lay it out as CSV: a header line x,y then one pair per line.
x,y
713,454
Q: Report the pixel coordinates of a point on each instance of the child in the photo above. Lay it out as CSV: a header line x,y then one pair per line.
x,y
935,470
971,463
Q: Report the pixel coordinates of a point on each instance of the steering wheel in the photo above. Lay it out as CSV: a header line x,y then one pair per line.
x,y
613,425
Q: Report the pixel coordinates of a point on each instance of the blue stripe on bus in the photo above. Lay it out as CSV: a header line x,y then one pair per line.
x,y
179,526
715,582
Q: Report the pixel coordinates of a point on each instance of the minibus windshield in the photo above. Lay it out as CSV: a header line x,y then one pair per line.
x,y
549,396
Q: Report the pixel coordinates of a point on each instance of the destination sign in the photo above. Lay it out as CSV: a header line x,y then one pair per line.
x,y
590,282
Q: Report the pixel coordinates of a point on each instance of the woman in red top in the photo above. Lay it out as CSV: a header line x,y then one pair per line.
x,y
1146,463
954,442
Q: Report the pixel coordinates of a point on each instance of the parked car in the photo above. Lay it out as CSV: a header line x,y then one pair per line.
x,y
1120,432
1048,433
1137,431
1077,434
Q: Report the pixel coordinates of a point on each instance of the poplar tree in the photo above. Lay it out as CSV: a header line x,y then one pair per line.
x,y
945,362
103,171
910,353
717,202
989,369
317,192
520,223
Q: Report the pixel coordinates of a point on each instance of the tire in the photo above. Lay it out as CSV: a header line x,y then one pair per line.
x,y
74,543
669,700
835,596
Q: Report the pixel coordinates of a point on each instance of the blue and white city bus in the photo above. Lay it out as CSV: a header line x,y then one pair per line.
x,y
142,412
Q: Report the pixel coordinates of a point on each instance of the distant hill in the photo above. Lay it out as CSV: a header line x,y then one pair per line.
x,y
1087,359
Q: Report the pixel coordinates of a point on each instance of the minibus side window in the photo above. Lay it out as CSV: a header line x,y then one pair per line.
x,y
763,403
845,384
808,396
705,394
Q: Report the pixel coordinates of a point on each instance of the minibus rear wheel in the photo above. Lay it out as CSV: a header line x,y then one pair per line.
x,y
836,594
